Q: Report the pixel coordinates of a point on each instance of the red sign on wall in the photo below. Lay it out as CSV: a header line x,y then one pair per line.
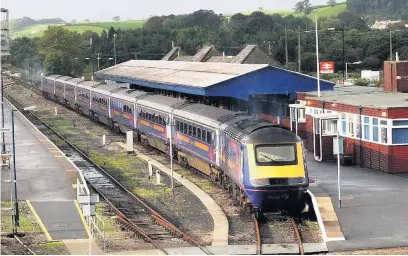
x,y
327,67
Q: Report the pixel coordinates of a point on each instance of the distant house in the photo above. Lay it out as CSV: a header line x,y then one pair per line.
x,y
384,24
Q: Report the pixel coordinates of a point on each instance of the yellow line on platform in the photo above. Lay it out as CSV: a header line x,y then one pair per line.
x,y
42,226
82,218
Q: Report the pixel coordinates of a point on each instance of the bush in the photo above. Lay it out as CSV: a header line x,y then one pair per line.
x,y
361,82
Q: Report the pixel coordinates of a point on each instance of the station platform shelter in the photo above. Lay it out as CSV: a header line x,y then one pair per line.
x,y
259,89
372,122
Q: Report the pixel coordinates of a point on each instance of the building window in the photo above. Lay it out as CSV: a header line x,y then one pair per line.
x,y
375,129
400,122
351,126
329,127
301,115
367,128
384,131
400,136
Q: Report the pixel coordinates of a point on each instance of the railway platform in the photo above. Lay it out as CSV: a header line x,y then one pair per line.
x,y
374,205
43,180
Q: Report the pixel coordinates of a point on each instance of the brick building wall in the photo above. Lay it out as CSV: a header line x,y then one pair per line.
x,y
396,76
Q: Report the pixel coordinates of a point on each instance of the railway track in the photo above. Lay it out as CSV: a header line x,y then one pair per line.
x,y
262,226
131,211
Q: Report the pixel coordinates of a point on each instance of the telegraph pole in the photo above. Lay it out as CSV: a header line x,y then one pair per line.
x,y
16,219
286,47
299,52
391,45
99,57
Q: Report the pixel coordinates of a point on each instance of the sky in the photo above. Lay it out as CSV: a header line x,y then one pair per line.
x,y
104,10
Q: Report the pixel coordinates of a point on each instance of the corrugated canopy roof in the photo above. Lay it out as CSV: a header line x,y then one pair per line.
x,y
195,74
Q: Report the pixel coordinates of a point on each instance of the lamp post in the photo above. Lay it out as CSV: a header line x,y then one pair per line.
x,y
344,46
353,63
114,46
317,57
3,143
16,218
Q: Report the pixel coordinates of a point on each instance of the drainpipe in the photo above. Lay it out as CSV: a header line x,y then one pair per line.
x,y
361,137
318,158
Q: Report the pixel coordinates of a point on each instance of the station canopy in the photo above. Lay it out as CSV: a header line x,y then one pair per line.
x,y
212,79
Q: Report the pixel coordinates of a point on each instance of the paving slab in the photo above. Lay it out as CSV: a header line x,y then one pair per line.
x,y
374,204
81,247
185,251
61,219
313,248
233,249
280,249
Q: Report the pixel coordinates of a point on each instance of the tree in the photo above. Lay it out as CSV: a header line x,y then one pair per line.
x,y
300,6
116,18
59,48
23,52
87,20
73,21
308,6
331,2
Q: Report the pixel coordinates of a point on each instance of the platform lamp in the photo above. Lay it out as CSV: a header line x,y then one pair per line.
x,y
338,158
16,215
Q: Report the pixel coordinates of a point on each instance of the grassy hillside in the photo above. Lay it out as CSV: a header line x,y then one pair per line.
x,y
38,30
325,11
98,27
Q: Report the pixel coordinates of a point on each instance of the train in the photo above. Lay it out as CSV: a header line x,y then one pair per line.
x,y
261,164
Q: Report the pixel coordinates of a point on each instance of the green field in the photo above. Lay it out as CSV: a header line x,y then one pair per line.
x,y
98,27
326,11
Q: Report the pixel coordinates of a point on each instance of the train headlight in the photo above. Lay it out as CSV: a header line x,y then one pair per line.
x,y
294,181
260,182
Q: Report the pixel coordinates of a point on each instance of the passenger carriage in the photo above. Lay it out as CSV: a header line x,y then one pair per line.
x,y
83,97
59,94
70,88
123,106
48,86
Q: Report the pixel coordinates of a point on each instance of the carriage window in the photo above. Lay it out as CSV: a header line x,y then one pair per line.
x,y
160,120
209,137
204,136
149,117
190,130
177,125
194,132
156,119
276,154
199,133
185,128
164,121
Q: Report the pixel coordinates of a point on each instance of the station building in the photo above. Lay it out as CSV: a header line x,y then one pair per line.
x,y
259,89
372,122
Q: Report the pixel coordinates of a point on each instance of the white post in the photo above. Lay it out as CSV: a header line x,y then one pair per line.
x,y
90,236
103,140
171,156
56,111
149,164
346,72
129,141
318,63
338,159
157,177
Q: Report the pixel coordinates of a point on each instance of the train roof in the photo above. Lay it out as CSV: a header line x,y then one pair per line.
x,y
160,102
74,81
88,84
272,134
64,78
52,76
205,114
132,93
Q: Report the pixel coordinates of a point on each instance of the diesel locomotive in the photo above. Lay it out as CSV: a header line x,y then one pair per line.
x,y
261,164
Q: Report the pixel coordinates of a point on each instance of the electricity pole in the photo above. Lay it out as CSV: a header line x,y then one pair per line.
x,y
286,48
391,45
114,46
99,57
299,52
